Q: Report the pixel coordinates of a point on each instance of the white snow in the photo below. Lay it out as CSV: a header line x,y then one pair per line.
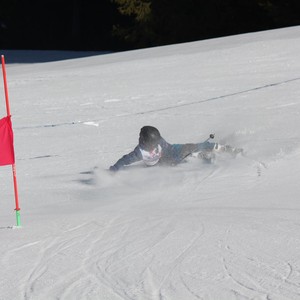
x,y
230,230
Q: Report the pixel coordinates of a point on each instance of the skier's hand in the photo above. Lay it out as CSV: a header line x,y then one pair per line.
x,y
113,169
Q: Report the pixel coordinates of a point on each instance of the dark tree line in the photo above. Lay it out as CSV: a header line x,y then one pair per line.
x,y
128,24
56,24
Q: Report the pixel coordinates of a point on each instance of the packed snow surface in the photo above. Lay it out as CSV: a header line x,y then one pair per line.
x,y
227,230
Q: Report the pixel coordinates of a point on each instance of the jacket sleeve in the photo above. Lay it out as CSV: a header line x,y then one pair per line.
x,y
127,159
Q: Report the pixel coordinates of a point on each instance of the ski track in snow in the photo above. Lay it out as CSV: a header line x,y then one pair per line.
x,y
98,258
266,274
94,261
217,98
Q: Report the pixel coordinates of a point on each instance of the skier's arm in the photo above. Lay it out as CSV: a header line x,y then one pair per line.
x,y
216,147
206,146
127,159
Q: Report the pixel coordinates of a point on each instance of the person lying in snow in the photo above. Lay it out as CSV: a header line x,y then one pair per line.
x,y
153,150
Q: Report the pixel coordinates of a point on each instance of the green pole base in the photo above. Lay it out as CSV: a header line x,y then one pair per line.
x,y
18,218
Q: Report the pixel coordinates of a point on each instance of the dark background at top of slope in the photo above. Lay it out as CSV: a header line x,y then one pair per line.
x,y
116,25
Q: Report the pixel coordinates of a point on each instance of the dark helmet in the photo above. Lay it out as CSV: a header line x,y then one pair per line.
x,y
149,138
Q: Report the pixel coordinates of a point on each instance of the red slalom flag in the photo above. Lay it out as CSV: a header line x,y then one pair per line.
x,y
7,154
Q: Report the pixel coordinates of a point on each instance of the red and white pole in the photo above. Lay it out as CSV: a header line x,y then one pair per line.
x,y
17,209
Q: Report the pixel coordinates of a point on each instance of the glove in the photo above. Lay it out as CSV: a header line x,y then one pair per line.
x,y
113,169
219,148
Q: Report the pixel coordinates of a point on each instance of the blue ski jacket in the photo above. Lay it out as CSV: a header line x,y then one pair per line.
x,y
165,153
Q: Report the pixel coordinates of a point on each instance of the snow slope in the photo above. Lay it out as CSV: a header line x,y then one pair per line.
x,y
230,230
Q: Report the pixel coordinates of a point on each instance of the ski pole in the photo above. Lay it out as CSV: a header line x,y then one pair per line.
x,y
211,136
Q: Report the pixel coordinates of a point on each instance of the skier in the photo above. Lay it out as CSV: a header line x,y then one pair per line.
x,y
153,150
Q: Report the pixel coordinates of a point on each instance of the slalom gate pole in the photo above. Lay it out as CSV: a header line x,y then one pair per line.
x,y
17,209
